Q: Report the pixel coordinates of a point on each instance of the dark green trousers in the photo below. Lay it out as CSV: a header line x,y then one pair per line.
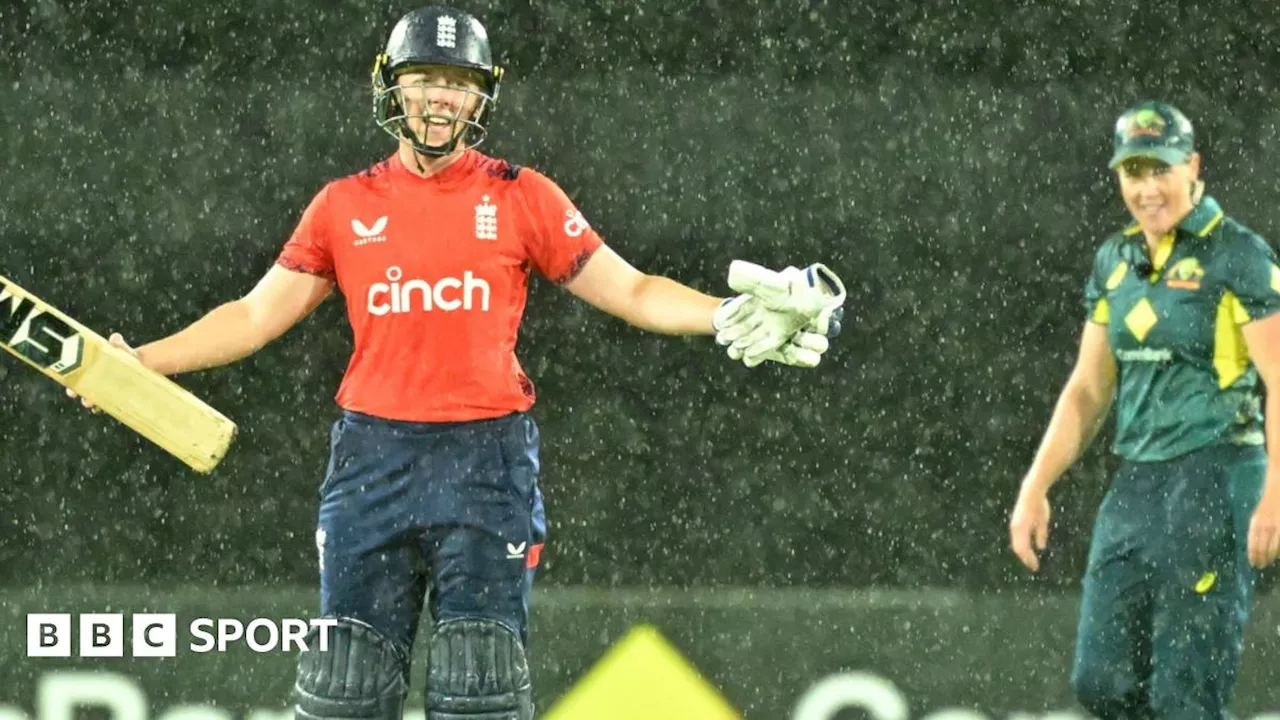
x,y
1168,587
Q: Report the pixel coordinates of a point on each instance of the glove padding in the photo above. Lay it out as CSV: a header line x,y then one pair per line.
x,y
781,316
804,349
813,292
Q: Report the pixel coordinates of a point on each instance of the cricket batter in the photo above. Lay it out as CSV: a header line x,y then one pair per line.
x,y
431,492
1182,311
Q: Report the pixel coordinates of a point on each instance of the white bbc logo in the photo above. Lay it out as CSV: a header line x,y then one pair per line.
x,y
48,635
101,635
155,635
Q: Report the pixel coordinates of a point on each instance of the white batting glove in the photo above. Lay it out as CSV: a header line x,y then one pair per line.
x,y
734,315
814,292
786,303
744,323
740,316
805,349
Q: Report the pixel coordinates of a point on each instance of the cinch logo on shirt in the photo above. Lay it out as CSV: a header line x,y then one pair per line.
x,y
447,293
575,225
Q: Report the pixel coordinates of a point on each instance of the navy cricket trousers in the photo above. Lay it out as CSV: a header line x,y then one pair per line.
x,y
443,513
1168,589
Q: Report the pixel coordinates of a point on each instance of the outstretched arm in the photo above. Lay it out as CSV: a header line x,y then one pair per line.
x,y
239,328
649,302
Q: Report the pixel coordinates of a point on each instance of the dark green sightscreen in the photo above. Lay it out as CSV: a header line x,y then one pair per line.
x,y
947,159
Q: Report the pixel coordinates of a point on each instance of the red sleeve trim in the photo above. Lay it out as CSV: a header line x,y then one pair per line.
x,y
575,268
295,266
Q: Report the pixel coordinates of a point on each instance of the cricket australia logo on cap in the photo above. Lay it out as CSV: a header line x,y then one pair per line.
x,y
446,31
1145,123
486,220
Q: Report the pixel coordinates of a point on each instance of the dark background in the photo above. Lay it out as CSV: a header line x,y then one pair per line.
x,y
947,159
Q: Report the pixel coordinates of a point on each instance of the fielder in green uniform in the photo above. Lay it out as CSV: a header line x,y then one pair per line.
x,y
1182,331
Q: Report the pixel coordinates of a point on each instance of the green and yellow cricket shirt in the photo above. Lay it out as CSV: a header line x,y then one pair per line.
x,y
1185,379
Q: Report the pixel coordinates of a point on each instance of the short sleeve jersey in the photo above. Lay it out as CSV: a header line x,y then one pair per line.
x,y
1185,377
435,275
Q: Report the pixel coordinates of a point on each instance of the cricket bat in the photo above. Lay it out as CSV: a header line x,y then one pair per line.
x,y
85,362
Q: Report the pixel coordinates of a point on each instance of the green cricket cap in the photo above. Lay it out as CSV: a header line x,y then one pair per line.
x,y
1153,130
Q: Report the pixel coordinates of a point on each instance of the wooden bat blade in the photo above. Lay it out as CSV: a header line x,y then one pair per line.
x,y
78,358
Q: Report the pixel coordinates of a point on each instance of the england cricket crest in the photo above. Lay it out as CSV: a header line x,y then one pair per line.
x,y
486,220
446,31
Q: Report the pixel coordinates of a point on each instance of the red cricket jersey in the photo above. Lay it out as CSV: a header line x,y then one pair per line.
x,y
435,272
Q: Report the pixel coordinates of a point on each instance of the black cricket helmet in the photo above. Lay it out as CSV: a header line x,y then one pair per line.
x,y
434,35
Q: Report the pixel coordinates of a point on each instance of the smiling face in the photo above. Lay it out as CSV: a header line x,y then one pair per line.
x,y
1157,194
439,101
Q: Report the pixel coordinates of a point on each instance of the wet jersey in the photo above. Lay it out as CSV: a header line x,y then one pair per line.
x,y
435,276
1185,378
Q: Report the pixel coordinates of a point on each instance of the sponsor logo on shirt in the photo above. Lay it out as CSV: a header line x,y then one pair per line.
x,y
575,225
398,296
1155,355
366,234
